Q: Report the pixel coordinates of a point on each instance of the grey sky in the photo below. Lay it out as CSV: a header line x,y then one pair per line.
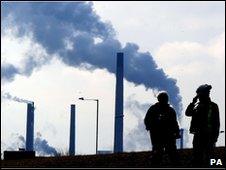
x,y
186,39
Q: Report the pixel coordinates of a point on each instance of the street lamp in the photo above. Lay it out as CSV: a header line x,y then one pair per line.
x,y
82,98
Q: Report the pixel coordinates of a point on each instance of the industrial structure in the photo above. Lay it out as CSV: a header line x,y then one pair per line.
x,y
118,124
181,138
72,131
30,127
28,152
118,133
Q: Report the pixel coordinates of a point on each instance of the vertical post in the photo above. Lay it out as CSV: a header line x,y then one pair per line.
x,y
30,127
118,135
182,138
97,126
72,131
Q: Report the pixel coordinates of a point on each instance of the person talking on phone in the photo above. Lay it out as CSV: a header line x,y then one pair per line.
x,y
205,124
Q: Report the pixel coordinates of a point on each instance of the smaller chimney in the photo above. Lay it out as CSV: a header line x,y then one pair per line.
x,y
72,131
182,138
30,127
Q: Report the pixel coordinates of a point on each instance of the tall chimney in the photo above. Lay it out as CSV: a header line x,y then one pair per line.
x,y
72,131
118,135
30,127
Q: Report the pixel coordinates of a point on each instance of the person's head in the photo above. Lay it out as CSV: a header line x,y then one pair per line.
x,y
203,92
163,97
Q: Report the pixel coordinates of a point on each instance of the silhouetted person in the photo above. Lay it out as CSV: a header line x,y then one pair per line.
x,y
205,125
161,122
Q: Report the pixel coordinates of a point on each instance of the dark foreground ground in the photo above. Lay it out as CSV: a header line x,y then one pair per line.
x,y
122,160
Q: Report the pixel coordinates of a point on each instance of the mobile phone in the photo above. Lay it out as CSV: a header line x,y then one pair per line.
x,y
195,99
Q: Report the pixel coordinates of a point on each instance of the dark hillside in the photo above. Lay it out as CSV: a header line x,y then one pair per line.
x,y
122,160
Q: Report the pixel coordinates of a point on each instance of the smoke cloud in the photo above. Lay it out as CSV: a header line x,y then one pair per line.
x,y
8,71
138,138
41,145
18,141
8,96
70,29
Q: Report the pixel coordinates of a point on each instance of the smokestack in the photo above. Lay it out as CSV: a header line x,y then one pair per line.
x,y
72,131
30,127
182,138
118,136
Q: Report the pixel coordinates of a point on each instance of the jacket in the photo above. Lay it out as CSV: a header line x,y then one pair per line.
x,y
162,120
205,119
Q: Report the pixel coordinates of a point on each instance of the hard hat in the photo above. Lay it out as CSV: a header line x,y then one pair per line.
x,y
205,88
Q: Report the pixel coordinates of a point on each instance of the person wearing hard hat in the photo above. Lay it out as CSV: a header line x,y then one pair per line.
x,y
205,124
161,122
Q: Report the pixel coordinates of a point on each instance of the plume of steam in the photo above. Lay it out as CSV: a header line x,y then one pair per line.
x,y
41,145
155,92
138,138
21,138
57,25
16,141
8,96
8,71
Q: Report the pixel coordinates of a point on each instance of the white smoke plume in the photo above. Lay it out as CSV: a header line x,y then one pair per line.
x,y
6,95
41,145
138,138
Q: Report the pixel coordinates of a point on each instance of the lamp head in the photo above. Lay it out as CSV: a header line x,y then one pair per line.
x,y
81,98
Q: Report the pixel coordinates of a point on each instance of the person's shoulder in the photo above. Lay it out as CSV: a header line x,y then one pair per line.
x,y
153,106
171,108
214,104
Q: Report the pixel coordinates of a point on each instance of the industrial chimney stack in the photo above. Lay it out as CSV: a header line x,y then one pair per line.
x,y
182,138
30,127
72,131
118,134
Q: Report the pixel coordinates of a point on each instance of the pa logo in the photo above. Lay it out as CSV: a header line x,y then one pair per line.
x,y
215,162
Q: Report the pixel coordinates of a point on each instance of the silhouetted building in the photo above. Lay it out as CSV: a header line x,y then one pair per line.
x,y
21,154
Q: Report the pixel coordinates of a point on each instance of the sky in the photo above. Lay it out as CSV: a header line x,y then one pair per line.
x,y
54,53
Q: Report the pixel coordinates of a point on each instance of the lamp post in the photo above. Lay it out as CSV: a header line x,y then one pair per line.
x,y
82,98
